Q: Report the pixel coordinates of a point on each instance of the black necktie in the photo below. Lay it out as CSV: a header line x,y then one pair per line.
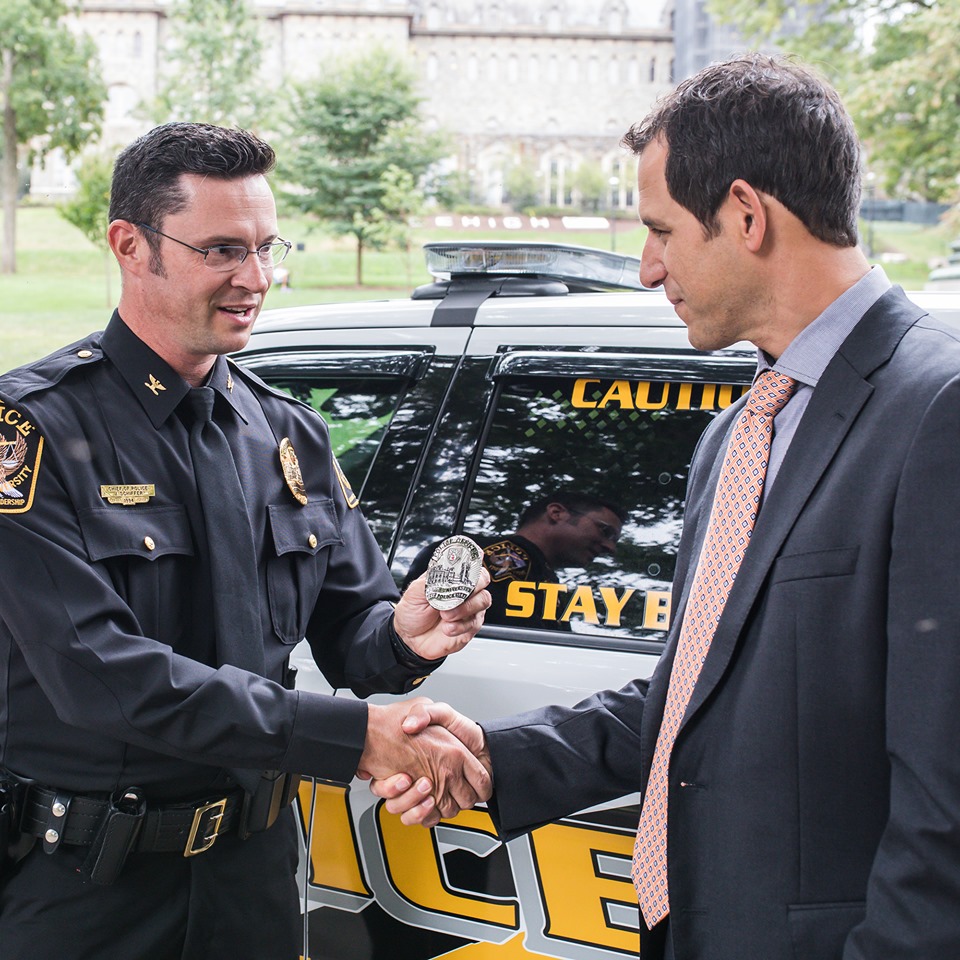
x,y
230,548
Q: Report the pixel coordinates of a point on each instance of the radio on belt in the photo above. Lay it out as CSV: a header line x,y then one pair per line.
x,y
453,572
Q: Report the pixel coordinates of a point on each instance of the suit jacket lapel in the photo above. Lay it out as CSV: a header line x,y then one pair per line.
x,y
838,398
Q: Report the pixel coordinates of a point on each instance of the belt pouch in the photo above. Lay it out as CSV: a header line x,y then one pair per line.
x,y
14,844
116,837
262,807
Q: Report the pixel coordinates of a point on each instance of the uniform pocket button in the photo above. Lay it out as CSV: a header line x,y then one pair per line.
x,y
149,543
312,541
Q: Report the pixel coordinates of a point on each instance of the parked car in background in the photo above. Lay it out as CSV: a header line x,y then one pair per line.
x,y
521,370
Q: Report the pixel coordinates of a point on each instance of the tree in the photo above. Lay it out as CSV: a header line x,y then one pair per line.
x,y
345,132
214,65
592,184
895,63
88,208
51,93
523,186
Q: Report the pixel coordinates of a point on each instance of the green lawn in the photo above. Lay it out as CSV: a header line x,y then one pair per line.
x,y
65,287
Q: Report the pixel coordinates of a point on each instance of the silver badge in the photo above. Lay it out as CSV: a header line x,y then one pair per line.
x,y
453,572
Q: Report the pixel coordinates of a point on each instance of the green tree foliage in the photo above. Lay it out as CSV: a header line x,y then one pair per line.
x,y
88,208
895,62
909,112
51,94
213,68
523,186
592,186
349,133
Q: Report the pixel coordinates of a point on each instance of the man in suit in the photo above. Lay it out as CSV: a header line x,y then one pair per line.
x,y
811,786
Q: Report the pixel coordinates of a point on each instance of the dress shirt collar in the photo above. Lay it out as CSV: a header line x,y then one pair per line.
x,y
157,386
815,346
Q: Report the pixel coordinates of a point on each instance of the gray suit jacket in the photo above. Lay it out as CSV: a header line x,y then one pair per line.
x,y
814,808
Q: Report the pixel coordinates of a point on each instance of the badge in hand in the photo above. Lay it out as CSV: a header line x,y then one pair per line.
x,y
453,572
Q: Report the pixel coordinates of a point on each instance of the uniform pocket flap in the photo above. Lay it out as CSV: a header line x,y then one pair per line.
x,y
305,529
838,562
149,531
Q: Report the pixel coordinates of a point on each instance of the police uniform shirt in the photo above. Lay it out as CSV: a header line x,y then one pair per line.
x,y
107,644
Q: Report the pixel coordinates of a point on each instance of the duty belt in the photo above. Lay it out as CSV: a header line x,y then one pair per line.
x,y
187,828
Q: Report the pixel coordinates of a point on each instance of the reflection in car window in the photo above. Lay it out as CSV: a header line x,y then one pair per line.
x,y
626,442
357,411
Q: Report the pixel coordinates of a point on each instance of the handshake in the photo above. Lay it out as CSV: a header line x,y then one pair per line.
x,y
442,754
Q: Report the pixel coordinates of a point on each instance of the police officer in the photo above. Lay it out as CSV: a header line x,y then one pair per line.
x,y
169,528
567,528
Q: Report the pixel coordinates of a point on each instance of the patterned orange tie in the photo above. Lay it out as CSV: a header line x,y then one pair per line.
x,y
734,513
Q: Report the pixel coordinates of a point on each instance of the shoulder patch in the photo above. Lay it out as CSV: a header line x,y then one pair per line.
x,y
506,560
21,447
348,494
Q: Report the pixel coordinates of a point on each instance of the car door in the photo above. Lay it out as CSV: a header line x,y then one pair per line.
x,y
618,418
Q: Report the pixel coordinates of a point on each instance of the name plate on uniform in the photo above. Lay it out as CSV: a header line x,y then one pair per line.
x,y
127,494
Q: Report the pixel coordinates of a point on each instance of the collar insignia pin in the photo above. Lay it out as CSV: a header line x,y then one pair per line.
x,y
154,385
291,471
229,382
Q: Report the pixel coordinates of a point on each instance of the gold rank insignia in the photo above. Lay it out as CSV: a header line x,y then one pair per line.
x,y
291,470
229,382
348,494
154,385
21,448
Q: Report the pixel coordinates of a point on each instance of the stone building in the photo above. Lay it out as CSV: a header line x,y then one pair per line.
x,y
552,84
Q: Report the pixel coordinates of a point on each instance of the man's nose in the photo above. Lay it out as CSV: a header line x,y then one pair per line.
x,y
652,271
253,274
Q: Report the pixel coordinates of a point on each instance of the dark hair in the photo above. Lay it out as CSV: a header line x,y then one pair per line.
x,y
766,120
146,176
573,500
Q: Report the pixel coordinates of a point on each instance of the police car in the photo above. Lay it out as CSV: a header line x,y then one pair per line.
x,y
523,372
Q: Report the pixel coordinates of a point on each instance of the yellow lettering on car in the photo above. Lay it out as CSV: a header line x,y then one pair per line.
x,y
644,400
655,395
656,610
521,598
619,394
578,398
408,852
584,875
334,854
582,602
614,604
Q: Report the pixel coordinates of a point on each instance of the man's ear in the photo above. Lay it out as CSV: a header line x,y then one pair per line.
x,y
749,214
129,246
556,512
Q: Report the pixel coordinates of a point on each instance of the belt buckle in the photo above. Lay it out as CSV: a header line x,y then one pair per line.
x,y
216,810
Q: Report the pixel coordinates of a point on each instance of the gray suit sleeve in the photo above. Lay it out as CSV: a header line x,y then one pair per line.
x,y
551,762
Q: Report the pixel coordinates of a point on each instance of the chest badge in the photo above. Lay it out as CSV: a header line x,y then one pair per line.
x,y
291,471
20,451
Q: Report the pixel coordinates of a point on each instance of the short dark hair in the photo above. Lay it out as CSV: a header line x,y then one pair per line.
x,y
769,121
575,501
146,184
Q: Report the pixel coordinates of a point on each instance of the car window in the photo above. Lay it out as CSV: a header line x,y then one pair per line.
x,y
358,412
614,453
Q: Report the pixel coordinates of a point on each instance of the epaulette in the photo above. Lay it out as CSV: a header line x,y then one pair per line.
x,y
49,371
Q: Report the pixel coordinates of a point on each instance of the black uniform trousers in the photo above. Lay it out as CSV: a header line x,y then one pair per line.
x,y
236,901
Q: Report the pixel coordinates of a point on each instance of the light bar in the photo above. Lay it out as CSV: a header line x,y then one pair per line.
x,y
579,266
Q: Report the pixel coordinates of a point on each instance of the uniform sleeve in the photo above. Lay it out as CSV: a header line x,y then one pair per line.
x,y
82,644
914,885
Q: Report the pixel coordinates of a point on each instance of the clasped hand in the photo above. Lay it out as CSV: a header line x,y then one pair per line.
x,y
443,753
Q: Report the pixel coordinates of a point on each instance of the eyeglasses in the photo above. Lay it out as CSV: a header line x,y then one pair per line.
x,y
606,531
227,256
